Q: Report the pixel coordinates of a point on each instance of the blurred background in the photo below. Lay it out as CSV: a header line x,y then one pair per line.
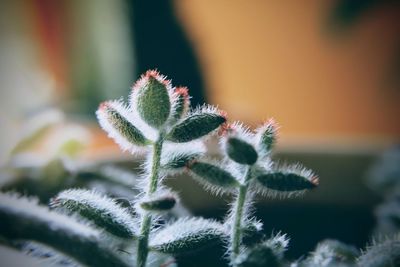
x,y
327,71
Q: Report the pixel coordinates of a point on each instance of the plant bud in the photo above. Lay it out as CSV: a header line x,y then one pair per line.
x,y
266,136
151,97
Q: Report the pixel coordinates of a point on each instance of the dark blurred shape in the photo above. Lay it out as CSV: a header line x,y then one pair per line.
x,y
161,43
384,175
384,179
346,13
393,76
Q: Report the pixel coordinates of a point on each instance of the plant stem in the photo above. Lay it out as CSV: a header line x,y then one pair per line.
x,y
143,239
236,235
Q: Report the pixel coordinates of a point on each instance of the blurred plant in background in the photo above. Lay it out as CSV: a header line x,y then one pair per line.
x,y
384,179
52,154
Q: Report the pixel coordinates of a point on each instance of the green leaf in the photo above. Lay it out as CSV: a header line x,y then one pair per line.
x,y
177,161
252,232
278,243
160,201
187,235
258,256
268,253
152,99
113,118
241,151
288,179
181,103
22,218
266,136
213,176
100,209
196,126
175,157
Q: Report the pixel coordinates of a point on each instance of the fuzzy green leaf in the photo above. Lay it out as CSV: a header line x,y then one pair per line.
x,y
195,126
160,202
177,161
287,181
241,151
118,126
22,218
268,253
100,209
186,235
212,175
252,233
181,103
153,102
278,243
266,137
258,256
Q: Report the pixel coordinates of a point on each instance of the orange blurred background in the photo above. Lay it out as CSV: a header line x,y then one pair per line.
x,y
258,59
274,58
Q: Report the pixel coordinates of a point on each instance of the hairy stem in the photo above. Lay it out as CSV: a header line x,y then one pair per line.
x,y
143,239
236,235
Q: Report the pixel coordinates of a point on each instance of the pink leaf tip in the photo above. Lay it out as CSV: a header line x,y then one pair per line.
x,y
151,74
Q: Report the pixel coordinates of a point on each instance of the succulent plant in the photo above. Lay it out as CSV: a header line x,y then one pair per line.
x,y
95,227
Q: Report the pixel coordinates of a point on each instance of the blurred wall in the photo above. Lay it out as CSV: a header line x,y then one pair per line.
x,y
278,59
259,59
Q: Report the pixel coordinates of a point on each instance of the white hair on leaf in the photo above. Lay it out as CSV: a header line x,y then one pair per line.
x,y
138,86
124,112
270,129
187,234
180,104
108,212
211,184
238,131
175,156
305,180
30,208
